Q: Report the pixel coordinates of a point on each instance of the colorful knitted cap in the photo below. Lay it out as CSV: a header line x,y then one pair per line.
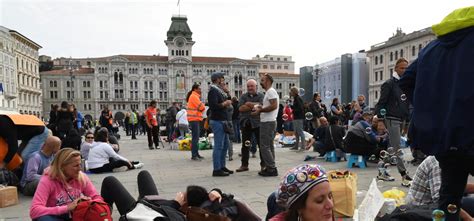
x,y
297,181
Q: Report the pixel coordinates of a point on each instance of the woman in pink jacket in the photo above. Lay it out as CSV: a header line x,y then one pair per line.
x,y
61,187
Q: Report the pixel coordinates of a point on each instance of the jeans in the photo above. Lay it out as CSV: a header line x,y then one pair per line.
x,y
30,188
267,150
221,144
248,134
236,125
133,128
34,144
319,146
114,192
455,169
195,131
152,134
298,126
288,125
170,129
393,127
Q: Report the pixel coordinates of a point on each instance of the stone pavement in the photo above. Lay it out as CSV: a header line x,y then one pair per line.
x,y
173,171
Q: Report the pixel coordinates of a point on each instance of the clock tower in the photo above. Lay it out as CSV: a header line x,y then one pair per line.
x,y
179,39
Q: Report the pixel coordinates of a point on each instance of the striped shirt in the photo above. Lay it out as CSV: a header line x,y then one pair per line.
x,y
426,183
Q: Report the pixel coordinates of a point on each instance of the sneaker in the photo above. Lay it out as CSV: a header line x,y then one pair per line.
x,y
407,177
227,170
308,158
135,162
406,183
219,173
157,147
196,158
138,165
385,177
242,169
150,147
268,172
120,169
200,157
253,155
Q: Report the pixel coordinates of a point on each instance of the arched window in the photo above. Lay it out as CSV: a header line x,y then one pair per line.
x,y
381,59
391,56
413,50
187,53
376,59
396,55
115,77
401,53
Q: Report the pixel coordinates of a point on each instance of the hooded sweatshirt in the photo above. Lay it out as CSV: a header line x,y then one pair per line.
x,y
439,85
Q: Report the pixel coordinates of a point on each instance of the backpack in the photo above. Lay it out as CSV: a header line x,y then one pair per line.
x,y
8,177
92,210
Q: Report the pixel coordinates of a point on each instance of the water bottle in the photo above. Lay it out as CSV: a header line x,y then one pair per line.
x,y
438,215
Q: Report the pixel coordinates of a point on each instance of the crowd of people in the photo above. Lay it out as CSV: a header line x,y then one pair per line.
x,y
54,155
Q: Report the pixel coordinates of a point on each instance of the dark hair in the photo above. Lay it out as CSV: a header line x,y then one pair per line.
x,y
195,87
400,60
89,133
334,100
315,95
153,102
196,195
292,213
333,120
269,77
102,135
64,104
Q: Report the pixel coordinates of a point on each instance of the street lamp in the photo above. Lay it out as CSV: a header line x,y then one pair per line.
x,y
71,71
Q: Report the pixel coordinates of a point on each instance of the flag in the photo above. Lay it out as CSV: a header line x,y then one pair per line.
x,y
178,3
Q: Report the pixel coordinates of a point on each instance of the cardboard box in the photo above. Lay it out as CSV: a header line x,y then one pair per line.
x,y
288,133
8,196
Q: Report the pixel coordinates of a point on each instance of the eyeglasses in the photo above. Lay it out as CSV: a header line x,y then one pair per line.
x,y
89,137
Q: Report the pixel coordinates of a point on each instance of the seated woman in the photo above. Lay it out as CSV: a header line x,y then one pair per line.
x,y
86,145
333,136
215,201
102,157
112,140
305,194
361,138
61,187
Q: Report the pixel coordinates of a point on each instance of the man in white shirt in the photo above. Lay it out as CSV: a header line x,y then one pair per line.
x,y
268,114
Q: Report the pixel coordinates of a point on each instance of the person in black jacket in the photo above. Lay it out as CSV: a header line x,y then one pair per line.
x,y
218,106
64,120
298,119
72,140
53,118
334,135
393,106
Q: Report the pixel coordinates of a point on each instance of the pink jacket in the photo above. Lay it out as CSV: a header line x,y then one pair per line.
x,y
51,197
279,217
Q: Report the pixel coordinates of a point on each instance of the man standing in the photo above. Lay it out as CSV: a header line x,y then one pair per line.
x,y
106,119
35,166
171,120
133,122
195,109
439,85
218,107
316,110
250,124
393,106
152,125
268,113
298,119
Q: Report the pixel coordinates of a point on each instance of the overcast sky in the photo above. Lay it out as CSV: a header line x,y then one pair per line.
x,y
312,31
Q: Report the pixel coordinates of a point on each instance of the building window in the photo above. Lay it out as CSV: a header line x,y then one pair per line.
x,y
381,75
391,56
376,76
396,55
419,48
413,51
376,60
272,66
376,95
285,67
401,53
285,59
172,52
339,91
391,71
381,59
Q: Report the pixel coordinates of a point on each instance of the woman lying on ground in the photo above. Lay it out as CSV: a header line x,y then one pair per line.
x,y
214,201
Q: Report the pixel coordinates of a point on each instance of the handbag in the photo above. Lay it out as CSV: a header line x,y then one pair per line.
x,y
228,128
200,214
344,188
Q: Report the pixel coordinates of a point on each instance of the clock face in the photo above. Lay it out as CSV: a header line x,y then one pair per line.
x,y
180,42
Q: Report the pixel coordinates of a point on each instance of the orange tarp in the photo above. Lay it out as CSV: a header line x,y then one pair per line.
x,y
22,119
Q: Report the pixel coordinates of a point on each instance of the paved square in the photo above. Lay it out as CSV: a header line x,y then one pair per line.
x,y
173,170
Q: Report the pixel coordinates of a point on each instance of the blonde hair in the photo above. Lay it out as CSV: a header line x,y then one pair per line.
x,y
64,157
294,90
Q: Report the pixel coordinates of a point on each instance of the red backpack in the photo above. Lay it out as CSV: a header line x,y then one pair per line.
x,y
92,210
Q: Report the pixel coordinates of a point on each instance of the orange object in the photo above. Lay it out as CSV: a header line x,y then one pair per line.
x,y
16,160
22,119
195,107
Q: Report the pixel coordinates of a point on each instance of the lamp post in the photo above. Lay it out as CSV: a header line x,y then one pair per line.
x,y
71,71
